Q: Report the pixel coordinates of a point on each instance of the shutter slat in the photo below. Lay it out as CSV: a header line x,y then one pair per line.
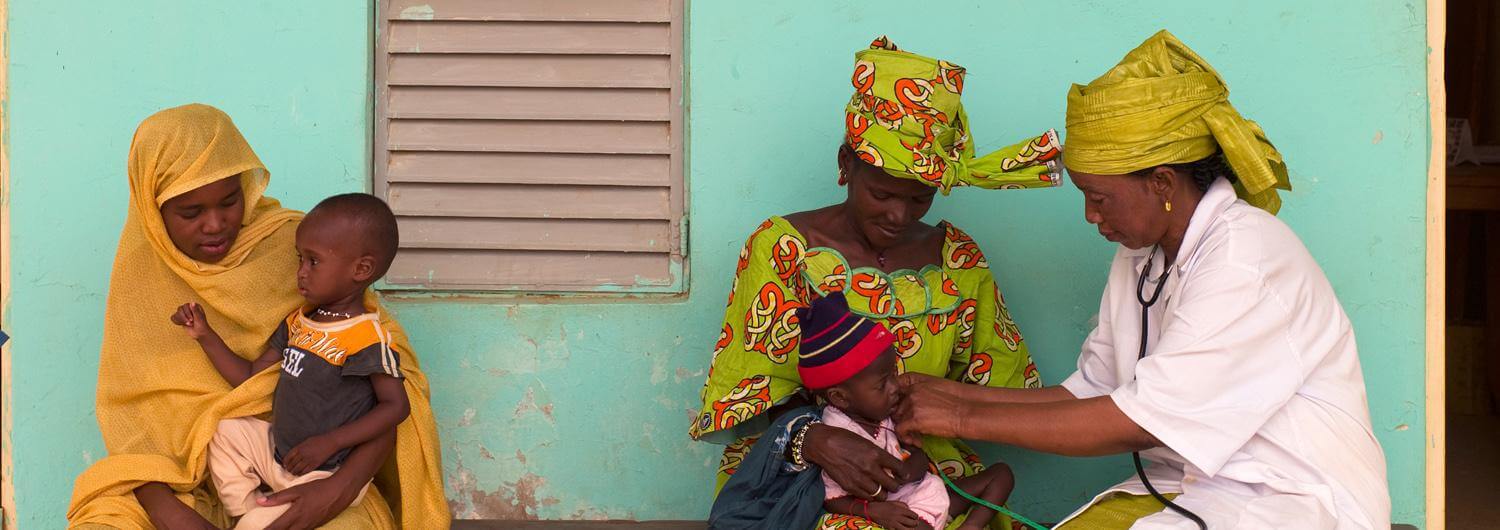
x,y
536,234
467,103
524,269
530,136
540,10
608,38
530,168
580,71
536,202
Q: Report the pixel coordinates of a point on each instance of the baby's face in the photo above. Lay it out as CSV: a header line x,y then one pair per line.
x,y
872,392
329,258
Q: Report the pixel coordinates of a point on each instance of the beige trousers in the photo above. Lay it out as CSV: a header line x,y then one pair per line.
x,y
240,459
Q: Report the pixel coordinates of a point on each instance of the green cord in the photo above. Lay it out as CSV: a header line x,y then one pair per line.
x,y
986,504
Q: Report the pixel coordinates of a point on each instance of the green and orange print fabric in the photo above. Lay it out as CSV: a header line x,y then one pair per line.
x,y
949,318
906,117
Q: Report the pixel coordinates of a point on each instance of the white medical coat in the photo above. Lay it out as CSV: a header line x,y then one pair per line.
x,y
1251,380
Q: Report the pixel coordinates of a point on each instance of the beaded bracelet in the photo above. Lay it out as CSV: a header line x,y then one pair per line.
x,y
797,440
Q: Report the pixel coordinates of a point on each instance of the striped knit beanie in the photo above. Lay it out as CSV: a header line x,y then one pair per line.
x,y
836,344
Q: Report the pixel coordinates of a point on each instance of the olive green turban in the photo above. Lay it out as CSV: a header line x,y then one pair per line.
x,y
1163,104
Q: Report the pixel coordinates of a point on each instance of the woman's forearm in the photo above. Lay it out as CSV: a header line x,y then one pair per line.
x,y
159,502
991,395
1074,427
153,494
976,393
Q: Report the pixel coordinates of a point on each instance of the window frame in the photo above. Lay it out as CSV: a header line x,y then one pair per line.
x,y
676,283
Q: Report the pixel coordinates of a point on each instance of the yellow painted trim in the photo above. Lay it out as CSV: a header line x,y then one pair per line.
x,y
1437,248
7,464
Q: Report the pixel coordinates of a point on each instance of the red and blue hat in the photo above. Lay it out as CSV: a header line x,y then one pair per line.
x,y
836,343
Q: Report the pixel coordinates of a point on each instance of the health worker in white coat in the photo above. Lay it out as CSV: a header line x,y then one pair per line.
x,y
1222,358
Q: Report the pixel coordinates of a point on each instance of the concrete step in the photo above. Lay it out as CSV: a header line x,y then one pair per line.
x,y
621,525
578,525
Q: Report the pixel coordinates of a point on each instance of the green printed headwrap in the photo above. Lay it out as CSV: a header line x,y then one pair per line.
x,y
906,118
1163,104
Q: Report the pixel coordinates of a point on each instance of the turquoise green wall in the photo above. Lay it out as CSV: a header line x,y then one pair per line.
x,y
579,407
82,75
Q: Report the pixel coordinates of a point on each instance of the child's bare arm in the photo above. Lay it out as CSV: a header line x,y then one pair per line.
x,y
916,465
847,505
270,357
888,514
391,408
234,369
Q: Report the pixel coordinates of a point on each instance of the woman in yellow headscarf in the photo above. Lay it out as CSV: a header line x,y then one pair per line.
x,y
200,229
1221,354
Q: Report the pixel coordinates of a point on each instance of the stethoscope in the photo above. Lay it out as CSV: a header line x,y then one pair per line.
x,y
1146,303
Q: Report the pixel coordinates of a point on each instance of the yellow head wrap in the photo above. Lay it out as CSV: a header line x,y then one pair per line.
x,y
182,149
1163,104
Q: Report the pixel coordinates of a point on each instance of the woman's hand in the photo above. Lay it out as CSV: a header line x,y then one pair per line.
x,y
862,468
183,519
927,409
313,503
319,501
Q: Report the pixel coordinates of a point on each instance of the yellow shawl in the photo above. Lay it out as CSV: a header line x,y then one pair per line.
x,y
159,399
1163,104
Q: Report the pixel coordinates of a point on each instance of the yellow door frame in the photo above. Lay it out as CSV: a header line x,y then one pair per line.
x,y
1437,219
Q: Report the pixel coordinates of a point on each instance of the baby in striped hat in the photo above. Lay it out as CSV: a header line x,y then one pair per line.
x,y
848,360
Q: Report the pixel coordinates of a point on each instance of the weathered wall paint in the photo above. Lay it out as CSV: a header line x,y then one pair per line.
x,y
578,407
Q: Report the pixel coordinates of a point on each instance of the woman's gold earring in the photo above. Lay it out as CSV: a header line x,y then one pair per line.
x,y
1169,206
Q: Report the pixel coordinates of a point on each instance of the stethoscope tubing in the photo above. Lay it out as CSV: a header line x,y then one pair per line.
x,y
1146,303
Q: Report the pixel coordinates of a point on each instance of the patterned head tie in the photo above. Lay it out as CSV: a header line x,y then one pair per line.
x,y
906,118
1163,104
836,344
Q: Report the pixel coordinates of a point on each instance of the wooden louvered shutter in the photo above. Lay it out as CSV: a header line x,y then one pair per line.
x,y
532,145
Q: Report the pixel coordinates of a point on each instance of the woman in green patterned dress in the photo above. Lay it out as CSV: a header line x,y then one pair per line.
x,y
907,138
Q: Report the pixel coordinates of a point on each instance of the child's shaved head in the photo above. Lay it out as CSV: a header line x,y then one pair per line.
x,y
369,223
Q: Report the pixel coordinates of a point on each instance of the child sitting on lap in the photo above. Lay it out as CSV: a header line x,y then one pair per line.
x,y
848,361
340,383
